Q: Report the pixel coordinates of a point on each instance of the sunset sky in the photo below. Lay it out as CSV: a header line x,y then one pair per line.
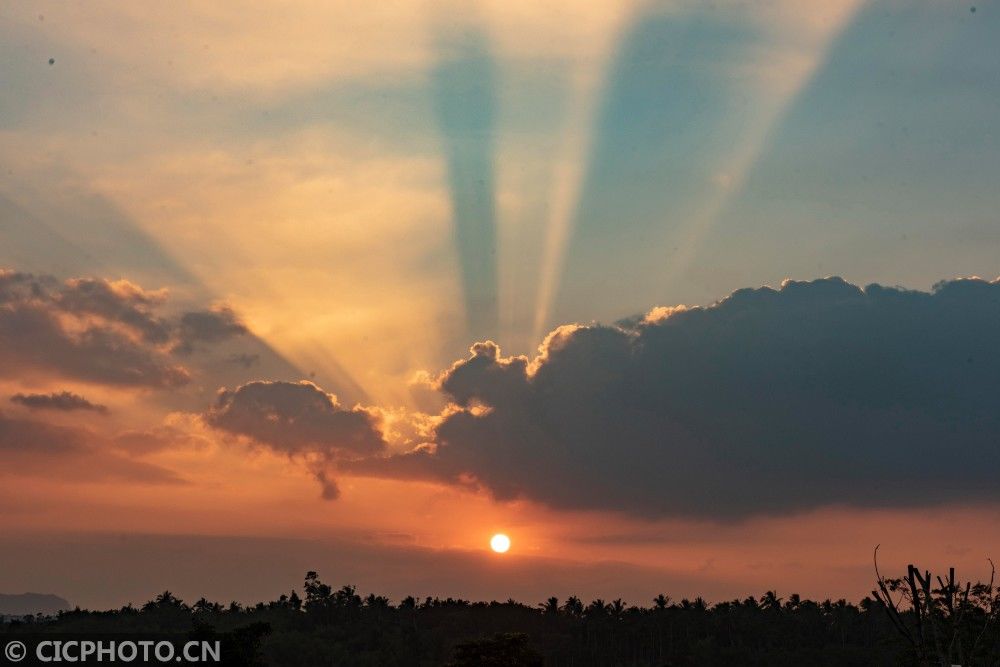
x,y
684,297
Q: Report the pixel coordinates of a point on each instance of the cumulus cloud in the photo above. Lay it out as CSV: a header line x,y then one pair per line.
x,y
64,401
115,301
95,330
771,400
298,418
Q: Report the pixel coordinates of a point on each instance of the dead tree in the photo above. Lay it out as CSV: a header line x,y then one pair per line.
x,y
936,622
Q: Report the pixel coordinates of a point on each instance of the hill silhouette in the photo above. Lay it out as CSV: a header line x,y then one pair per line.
x,y
21,604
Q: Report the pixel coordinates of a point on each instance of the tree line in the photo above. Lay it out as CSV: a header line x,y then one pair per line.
x,y
911,620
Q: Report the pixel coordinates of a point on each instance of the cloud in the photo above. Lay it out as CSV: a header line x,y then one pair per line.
x,y
298,418
208,326
769,401
96,330
32,448
243,359
64,401
117,301
33,436
181,431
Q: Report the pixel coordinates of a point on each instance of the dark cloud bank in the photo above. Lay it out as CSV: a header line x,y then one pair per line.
x,y
770,401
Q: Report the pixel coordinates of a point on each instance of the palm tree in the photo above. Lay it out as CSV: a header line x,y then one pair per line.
x,y
770,600
596,608
165,600
573,606
550,606
206,607
347,596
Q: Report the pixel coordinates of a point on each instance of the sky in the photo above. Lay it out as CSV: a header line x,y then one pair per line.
x,y
686,297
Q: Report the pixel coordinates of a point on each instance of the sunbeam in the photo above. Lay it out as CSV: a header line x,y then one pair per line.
x,y
688,103
776,84
667,110
465,102
569,170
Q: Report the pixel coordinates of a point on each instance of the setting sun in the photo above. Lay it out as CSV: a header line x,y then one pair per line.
x,y
500,543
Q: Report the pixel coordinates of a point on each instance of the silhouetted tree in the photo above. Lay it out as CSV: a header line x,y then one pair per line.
x,y
550,606
942,625
573,606
502,650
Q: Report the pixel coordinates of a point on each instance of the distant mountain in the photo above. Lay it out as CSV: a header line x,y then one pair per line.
x,y
21,604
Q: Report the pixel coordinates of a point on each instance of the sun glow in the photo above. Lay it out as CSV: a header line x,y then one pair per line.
x,y
500,543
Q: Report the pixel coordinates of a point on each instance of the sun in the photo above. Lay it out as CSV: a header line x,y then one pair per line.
x,y
500,543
